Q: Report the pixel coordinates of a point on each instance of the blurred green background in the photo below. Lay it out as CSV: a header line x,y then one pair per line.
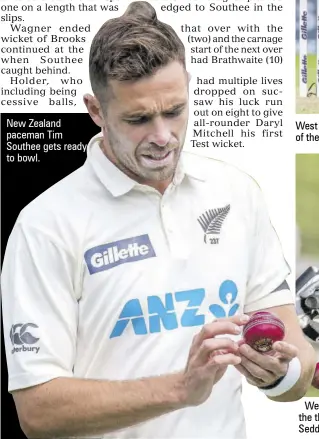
x,y
307,202
309,105
312,393
307,217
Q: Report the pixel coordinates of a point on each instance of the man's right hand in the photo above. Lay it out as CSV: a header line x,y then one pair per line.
x,y
209,356
91,407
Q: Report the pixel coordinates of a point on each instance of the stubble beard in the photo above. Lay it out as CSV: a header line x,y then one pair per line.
x,y
134,169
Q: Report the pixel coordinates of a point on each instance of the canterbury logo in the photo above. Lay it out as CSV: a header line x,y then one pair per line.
x,y
19,334
211,222
22,339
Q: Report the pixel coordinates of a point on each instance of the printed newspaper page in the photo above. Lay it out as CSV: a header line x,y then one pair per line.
x,y
100,289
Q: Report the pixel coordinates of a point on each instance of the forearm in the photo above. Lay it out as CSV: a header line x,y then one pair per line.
x,y
75,407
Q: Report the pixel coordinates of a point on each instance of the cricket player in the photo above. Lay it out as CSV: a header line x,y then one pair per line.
x,y
126,284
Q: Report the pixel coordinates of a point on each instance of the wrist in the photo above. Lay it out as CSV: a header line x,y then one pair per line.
x,y
180,396
274,384
285,383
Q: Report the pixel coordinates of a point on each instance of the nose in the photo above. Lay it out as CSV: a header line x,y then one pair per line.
x,y
159,132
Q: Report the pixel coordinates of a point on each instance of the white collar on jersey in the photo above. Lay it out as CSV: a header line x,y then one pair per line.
x,y
117,182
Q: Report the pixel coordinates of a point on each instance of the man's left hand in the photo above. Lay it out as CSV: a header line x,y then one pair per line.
x,y
262,370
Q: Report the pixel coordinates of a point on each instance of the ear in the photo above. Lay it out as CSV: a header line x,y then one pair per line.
x,y
94,109
189,76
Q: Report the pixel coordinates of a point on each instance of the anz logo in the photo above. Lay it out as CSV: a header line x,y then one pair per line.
x,y
161,314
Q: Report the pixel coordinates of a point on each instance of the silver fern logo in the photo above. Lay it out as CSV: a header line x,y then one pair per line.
x,y
211,222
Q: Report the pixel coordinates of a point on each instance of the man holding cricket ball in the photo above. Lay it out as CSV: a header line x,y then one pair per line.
x,y
126,286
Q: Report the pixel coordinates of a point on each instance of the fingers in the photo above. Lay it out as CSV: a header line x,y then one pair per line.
x,y
260,369
216,346
231,325
282,351
212,348
285,351
255,370
260,365
249,377
224,360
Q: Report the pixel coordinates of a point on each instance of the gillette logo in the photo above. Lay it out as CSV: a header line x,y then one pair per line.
x,y
106,256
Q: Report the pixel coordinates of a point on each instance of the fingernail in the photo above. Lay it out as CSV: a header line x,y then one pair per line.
x,y
244,318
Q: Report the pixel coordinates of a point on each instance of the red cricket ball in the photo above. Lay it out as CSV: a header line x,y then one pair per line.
x,y
315,379
262,330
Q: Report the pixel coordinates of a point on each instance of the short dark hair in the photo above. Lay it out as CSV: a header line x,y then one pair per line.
x,y
132,46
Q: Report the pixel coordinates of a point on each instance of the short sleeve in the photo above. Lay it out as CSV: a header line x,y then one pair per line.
x,y
268,268
39,308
